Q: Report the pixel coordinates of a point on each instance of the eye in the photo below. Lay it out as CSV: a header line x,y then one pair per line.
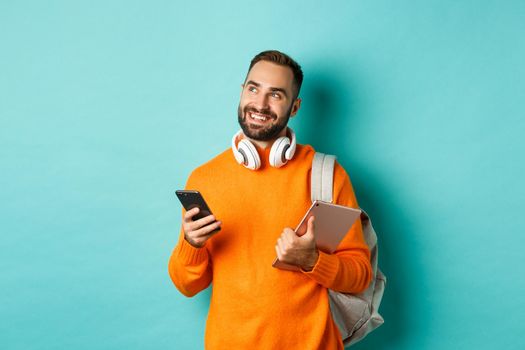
x,y
252,89
276,95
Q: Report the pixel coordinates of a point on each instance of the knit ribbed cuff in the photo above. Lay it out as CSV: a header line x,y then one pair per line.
x,y
325,270
189,255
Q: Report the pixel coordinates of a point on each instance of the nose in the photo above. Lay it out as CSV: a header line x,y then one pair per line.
x,y
261,101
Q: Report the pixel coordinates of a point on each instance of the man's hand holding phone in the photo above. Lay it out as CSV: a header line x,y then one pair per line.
x,y
199,231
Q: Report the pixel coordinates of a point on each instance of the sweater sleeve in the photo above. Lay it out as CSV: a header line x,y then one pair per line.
x,y
190,268
348,269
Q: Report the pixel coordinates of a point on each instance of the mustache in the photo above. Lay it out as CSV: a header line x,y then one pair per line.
x,y
265,111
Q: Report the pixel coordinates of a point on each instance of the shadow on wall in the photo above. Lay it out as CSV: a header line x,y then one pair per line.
x,y
330,108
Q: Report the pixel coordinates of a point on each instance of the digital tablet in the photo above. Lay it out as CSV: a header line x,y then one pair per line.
x,y
332,223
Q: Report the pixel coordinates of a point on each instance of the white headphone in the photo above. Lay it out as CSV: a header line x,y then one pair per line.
x,y
281,152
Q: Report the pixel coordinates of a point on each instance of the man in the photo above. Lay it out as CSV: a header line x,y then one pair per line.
x,y
254,305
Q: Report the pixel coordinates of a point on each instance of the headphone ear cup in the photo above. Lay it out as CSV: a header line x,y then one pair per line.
x,y
238,155
289,153
249,152
278,152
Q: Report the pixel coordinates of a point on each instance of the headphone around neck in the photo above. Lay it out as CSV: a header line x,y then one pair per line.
x,y
281,152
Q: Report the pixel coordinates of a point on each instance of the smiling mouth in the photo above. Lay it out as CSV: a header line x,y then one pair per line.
x,y
259,116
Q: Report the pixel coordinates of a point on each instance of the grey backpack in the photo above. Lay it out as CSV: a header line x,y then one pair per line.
x,y
356,315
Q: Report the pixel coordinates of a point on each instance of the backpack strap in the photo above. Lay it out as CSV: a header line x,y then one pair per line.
x,y
355,315
322,177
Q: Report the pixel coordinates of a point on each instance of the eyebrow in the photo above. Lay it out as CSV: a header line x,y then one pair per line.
x,y
273,89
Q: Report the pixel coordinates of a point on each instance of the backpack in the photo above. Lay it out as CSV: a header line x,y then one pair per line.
x,y
356,315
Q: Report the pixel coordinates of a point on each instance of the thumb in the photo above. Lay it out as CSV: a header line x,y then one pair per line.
x,y
310,229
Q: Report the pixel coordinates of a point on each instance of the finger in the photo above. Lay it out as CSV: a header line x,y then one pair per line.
x,y
204,221
207,230
283,245
201,240
289,235
278,242
311,227
197,224
280,255
190,214
205,238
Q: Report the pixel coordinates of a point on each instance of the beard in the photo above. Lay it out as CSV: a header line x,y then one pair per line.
x,y
262,132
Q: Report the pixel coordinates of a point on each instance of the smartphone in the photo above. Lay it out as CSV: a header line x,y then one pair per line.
x,y
191,199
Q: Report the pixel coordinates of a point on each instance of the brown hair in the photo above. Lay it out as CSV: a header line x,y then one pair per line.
x,y
282,59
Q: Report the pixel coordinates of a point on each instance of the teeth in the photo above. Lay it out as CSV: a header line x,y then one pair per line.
x,y
258,117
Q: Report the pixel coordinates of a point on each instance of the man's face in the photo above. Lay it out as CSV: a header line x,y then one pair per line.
x,y
267,101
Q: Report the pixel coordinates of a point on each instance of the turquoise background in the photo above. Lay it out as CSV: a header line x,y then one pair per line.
x,y
106,106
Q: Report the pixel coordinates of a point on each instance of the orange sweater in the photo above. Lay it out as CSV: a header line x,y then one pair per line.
x,y
254,305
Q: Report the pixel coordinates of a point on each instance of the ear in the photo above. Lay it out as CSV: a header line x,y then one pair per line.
x,y
295,107
242,88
